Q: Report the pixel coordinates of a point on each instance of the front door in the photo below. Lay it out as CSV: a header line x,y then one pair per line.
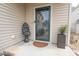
x,y
42,16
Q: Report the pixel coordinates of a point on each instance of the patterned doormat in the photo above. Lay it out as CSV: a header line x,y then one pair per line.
x,y
40,44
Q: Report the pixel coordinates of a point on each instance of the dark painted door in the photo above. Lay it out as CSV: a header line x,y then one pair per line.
x,y
42,23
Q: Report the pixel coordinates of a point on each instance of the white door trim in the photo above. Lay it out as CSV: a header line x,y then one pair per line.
x,y
51,11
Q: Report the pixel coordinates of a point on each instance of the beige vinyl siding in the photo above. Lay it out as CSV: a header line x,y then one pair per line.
x,y
59,17
12,16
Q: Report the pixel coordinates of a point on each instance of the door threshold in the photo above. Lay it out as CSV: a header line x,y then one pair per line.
x,y
41,41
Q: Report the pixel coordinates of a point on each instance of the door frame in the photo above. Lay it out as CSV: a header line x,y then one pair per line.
x,y
50,34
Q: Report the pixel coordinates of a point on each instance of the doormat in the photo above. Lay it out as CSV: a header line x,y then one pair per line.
x,y
40,44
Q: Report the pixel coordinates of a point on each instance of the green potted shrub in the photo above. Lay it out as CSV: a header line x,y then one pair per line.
x,y
63,29
61,37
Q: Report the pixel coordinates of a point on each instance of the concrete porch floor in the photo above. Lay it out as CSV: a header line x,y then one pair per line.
x,y
27,49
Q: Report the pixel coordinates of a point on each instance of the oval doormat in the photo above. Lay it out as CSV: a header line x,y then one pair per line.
x,y
40,44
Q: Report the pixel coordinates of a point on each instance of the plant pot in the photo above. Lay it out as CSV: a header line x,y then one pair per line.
x,y
61,39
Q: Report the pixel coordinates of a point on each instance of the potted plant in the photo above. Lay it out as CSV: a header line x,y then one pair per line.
x,y
63,29
61,37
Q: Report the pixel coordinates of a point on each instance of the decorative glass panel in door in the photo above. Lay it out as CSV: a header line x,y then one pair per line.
x,y
42,23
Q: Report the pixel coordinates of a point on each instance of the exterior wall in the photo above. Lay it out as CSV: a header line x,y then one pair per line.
x,y
59,17
12,16
75,17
